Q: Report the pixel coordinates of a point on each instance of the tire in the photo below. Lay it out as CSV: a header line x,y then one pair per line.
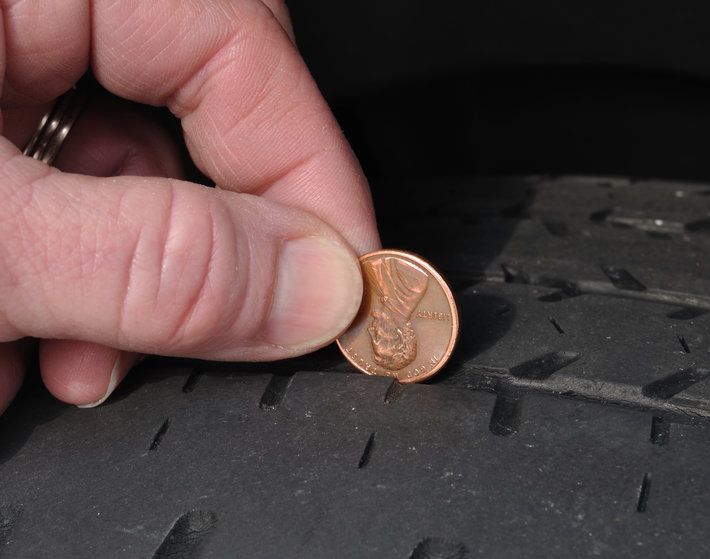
x,y
571,422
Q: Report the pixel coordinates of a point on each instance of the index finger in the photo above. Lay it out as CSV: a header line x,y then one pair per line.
x,y
253,118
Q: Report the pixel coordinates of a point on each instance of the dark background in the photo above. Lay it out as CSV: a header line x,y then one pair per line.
x,y
488,87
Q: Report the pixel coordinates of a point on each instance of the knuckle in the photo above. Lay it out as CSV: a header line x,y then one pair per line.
x,y
190,278
192,285
278,8
31,36
250,47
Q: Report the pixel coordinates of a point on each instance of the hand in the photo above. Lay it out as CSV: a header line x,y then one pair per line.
x,y
105,269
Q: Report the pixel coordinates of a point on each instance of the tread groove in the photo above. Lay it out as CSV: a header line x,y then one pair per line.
x,y
394,391
275,391
698,226
660,430
544,366
557,228
158,438
191,381
495,379
505,417
686,313
556,325
513,274
684,344
366,452
675,383
187,535
622,279
504,309
600,216
644,491
438,548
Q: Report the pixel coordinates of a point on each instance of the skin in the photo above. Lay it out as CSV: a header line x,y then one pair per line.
x,y
110,255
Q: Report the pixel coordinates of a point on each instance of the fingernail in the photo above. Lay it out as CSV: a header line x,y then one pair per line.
x,y
112,383
318,293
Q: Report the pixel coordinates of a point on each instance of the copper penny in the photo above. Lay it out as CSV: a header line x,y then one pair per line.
x,y
408,323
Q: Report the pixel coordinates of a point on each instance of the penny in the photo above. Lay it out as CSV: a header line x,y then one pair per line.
x,y
407,324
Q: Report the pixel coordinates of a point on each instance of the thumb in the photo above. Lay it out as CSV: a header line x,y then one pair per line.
x,y
167,267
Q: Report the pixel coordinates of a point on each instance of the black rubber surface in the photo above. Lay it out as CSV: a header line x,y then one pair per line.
x,y
572,421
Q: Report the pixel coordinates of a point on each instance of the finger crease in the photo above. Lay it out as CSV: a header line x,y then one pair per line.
x,y
183,108
288,171
183,321
164,242
128,282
